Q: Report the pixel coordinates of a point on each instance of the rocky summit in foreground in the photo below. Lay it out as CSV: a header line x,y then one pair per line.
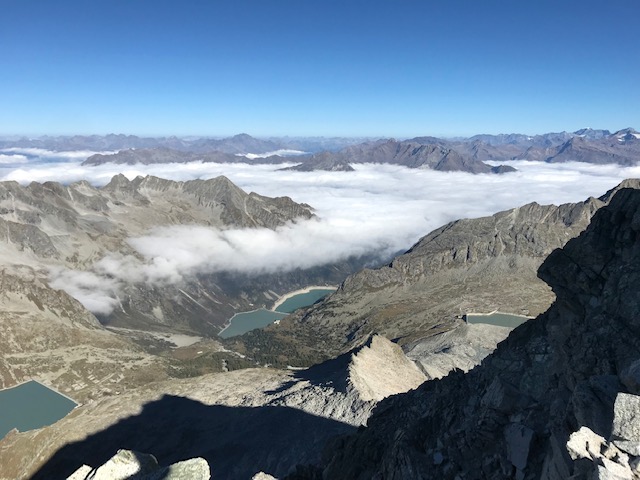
x,y
558,399
242,422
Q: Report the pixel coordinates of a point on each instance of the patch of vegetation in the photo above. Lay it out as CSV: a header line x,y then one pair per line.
x,y
278,349
214,362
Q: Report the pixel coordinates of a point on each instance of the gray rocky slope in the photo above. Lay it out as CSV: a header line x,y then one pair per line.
x,y
49,336
473,265
241,422
558,399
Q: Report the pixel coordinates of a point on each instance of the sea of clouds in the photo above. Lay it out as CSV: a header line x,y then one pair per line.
x,y
378,209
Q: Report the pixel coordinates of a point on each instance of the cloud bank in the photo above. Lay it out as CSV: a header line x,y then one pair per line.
x,y
376,209
282,152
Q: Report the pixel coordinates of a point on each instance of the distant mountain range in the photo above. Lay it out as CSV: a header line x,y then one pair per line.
x,y
410,154
237,144
339,154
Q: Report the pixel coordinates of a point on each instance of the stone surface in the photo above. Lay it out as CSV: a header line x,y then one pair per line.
x,y
127,464
380,369
263,476
626,422
460,348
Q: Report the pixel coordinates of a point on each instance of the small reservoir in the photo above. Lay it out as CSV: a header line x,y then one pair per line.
x,y
246,321
497,318
300,300
31,405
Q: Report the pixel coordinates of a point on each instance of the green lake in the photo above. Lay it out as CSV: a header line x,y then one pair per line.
x,y
246,321
31,405
497,318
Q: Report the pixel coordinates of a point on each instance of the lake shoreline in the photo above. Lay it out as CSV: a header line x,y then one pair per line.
x,y
301,291
24,382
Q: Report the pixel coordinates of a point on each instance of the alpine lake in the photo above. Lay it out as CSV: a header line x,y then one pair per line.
x,y
31,405
246,321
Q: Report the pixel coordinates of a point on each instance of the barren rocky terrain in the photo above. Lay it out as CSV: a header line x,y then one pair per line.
x,y
241,422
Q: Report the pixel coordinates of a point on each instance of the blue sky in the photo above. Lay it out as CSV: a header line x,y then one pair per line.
x,y
346,68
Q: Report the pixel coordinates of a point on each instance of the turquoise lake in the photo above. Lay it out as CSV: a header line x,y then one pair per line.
x,y
499,319
31,405
247,321
303,300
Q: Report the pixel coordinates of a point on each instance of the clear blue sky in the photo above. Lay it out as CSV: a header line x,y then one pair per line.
x,y
318,67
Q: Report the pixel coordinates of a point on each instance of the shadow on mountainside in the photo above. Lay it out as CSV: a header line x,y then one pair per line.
x,y
237,442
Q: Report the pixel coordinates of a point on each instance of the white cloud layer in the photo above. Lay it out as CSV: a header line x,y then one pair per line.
x,y
43,154
377,208
12,159
281,152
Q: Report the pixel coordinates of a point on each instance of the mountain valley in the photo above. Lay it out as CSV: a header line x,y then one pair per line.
x,y
103,300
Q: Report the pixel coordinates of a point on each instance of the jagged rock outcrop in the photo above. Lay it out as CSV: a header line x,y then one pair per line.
x,y
513,416
129,465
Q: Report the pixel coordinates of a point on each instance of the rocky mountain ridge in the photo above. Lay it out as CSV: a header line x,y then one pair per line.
x,y
541,406
469,155
55,226
406,153
470,265
55,238
558,399
150,156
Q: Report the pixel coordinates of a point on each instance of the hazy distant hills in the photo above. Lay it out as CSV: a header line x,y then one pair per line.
x,y
467,155
237,144
622,147
585,145
406,153
339,154
149,156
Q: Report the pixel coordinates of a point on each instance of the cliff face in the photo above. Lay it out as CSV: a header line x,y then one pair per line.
x,y
577,365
